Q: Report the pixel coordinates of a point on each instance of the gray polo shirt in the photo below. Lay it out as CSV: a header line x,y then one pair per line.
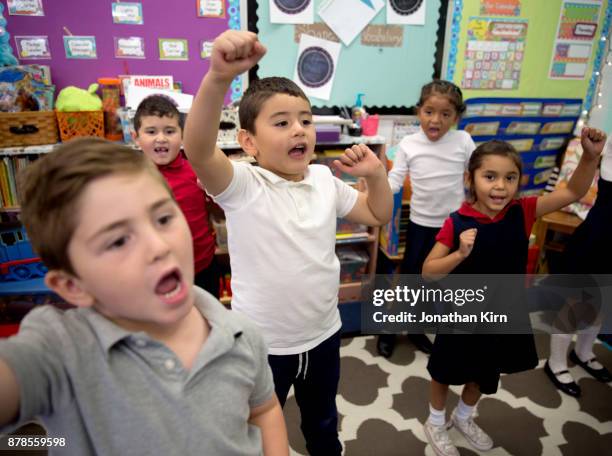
x,y
111,392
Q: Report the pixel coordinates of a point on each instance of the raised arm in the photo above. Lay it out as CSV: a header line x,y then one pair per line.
x,y
375,206
440,261
269,418
233,53
592,141
9,394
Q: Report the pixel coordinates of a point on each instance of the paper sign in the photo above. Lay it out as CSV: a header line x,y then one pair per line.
x,y
206,49
173,49
578,20
318,30
80,47
316,65
127,13
291,11
406,12
211,8
136,94
383,35
33,47
151,82
129,48
347,18
25,8
570,60
500,7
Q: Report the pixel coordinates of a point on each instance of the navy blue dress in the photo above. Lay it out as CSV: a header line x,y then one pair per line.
x,y
500,248
589,249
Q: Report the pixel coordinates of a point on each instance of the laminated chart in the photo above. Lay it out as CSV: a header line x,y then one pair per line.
x,y
494,53
573,44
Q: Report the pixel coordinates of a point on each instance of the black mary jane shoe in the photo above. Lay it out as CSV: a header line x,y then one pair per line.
x,y
571,389
422,342
603,374
385,344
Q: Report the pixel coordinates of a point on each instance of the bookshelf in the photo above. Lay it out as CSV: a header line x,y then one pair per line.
x,y
357,246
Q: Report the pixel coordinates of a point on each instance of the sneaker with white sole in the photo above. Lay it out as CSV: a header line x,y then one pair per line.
x,y
440,441
478,438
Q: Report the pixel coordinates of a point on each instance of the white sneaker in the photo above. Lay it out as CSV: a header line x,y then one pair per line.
x,y
440,441
472,432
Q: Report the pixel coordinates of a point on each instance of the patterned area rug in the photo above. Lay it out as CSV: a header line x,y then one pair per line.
x,y
383,403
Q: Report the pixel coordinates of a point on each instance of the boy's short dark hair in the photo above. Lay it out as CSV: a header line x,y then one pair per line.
x,y
259,92
158,106
51,187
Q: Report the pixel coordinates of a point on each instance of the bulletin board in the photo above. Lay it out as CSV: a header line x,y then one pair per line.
x,y
543,23
388,76
161,19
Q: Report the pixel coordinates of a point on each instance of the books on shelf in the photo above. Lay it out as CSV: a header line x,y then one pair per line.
x,y
10,166
327,158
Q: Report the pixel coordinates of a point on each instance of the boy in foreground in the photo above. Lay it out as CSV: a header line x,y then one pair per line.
x,y
147,363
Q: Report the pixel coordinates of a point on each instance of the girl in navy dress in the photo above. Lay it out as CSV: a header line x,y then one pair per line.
x,y
588,251
489,234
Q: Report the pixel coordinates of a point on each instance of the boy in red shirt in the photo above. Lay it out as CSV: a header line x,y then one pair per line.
x,y
158,131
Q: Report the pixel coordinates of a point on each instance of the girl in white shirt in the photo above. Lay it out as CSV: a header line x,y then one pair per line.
x,y
435,158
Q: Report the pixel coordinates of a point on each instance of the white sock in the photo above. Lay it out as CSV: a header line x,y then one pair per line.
x,y
559,344
463,411
436,417
584,345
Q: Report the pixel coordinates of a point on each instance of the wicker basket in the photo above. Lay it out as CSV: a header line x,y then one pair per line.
x,y
28,128
80,123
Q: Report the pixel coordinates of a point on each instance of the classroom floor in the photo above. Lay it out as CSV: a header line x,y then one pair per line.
x,y
383,403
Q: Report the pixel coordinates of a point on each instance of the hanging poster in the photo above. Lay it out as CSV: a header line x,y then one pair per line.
x,y
574,40
316,65
494,53
406,12
500,7
578,21
291,11
129,48
211,8
33,47
347,18
25,8
173,49
80,47
127,13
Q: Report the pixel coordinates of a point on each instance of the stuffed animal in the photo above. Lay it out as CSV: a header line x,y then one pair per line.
x,y
72,99
6,52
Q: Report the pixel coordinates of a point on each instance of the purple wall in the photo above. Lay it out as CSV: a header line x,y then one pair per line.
x,y
162,19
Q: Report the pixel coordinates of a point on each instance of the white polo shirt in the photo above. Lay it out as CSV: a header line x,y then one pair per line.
x,y
281,241
436,174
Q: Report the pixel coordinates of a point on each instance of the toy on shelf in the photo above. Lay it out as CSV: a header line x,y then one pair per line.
x,y
111,89
17,259
79,112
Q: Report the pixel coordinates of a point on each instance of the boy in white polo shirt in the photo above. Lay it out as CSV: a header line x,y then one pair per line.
x,y
281,221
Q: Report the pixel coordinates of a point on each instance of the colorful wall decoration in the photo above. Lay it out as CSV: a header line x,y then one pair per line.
x,y
541,44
